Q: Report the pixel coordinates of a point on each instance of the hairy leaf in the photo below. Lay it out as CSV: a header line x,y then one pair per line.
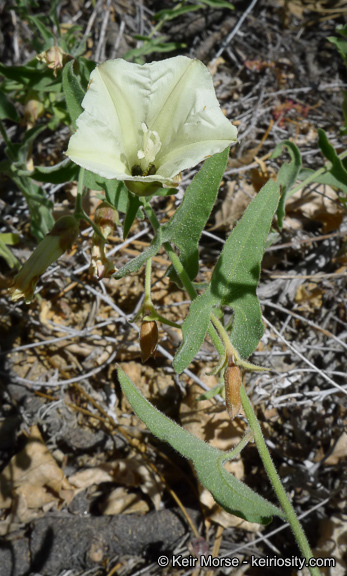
x,y
135,264
230,493
31,75
233,283
132,211
287,174
65,171
7,109
185,227
73,92
337,170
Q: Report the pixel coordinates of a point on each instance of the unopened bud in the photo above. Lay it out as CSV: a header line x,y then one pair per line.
x,y
233,381
148,339
59,239
106,218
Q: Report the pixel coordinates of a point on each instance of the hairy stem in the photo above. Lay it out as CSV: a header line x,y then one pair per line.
x,y
221,347
291,517
182,274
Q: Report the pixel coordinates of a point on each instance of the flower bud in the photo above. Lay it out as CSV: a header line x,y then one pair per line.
x,y
106,218
54,57
33,109
59,239
233,381
148,339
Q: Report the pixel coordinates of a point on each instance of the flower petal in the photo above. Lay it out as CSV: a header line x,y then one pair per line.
x,y
185,112
109,130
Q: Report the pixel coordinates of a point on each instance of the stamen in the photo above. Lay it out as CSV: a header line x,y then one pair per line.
x,y
151,145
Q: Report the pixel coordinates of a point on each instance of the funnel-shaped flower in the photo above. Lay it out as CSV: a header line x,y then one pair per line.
x,y
145,124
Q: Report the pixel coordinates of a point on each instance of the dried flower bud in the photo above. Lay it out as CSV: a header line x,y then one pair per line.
x,y
54,57
33,109
106,218
148,339
59,239
233,381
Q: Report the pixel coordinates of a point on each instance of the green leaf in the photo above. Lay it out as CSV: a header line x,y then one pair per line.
x,y
7,255
7,109
230,493
41,213
217,389
327,178
9,239
153,45
117,194
287,174
341,45
85,68
73,92
342,29
19,152
40,207
185,227
46,34
34,76
65,171
136,263
134,204
218,4
233,283
337,170
171,13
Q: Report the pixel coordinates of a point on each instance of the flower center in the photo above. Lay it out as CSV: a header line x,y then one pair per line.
x,y
151,145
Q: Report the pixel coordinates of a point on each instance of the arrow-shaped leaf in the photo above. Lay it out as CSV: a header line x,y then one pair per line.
x,y
233,283
230,493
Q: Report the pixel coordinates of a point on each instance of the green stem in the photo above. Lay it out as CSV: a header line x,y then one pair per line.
x,y
248,436
147,304
79,212
276,482
250,415
229,348
7,141
315,174
154,315
161,22
266,459
182,274
80,186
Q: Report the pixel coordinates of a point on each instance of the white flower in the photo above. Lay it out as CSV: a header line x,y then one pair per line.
x,y
145,124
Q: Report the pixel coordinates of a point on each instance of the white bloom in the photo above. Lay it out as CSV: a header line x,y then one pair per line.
x,y
146,124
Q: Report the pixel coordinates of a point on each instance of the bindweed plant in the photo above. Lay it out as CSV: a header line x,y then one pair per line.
x,y
134,130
